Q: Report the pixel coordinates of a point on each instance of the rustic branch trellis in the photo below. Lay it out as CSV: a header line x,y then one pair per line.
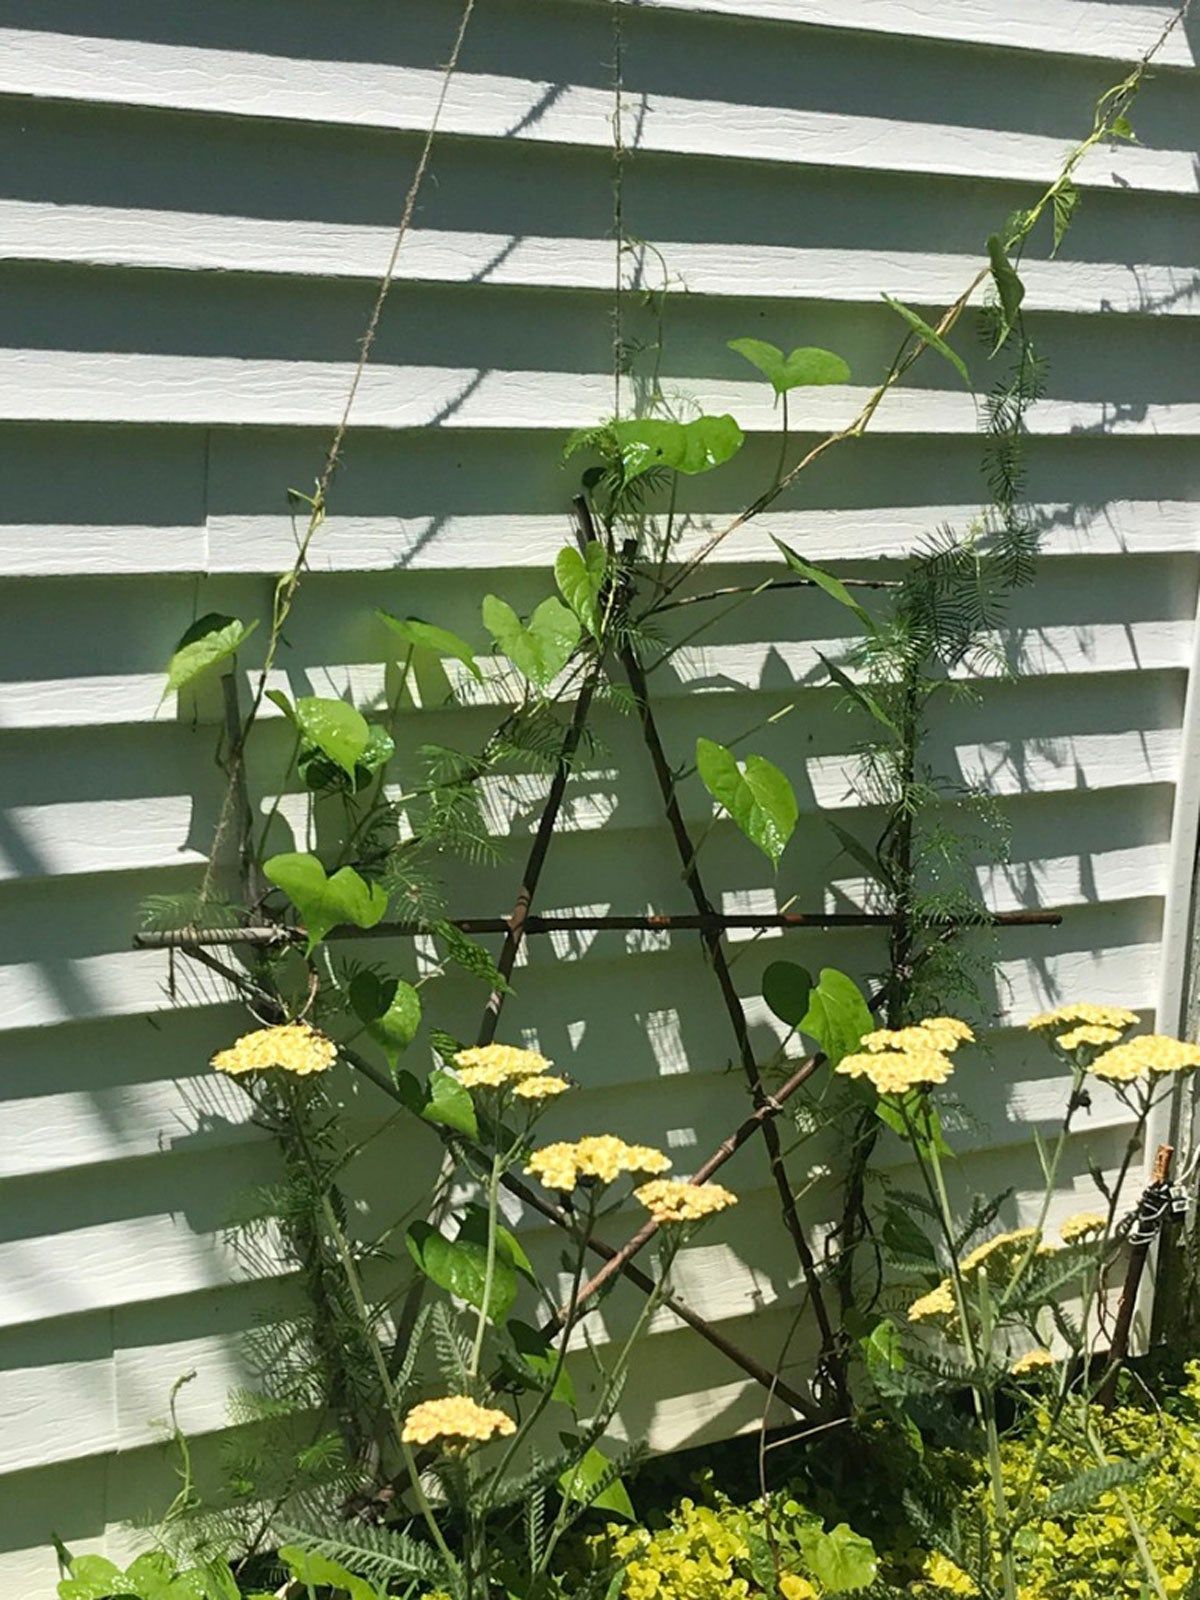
x,y
523,922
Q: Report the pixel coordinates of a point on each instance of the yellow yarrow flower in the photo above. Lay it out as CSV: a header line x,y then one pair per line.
x,y
944,1034
1080,1224
675,1200
600,1156
292,1047
897,1071
1152,1052
1032,1361
1002,1249
1088,1033
937,1303
1083,1012
543,1088
457,1419
492,1066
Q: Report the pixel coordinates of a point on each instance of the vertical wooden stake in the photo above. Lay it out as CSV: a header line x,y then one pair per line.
x,y
1145,1231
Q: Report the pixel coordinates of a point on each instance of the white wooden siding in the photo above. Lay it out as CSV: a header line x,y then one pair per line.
x,y
194,204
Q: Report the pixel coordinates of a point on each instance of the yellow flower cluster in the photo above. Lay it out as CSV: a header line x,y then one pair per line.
x,y
675,1200
601,1156
292,1047
1083,1012
1089,1033
699,1555
1078,1226
942,1573
457,1419
1032,1361
937,1303
898,1071
1152,1052
934,1033
543,1088
1000,1251
493,1066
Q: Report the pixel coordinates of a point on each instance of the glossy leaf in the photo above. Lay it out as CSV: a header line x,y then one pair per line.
x,y
807,365
336,728
391,1010
325,902
787,990
460,1267
540,648
757,796
450,1104
418,635
316,1571
320,774
837,1015
537,1352
578,1481
580,578
474,1229
688,447
210,640
1009,288
833,587
931,337
841,1560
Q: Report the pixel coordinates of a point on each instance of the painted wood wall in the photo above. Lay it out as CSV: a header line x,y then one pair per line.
x,y
195,203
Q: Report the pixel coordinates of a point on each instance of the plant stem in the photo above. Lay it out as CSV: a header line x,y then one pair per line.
x,y
489,1270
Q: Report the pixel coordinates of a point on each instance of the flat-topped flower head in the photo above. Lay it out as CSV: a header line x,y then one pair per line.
x,y
675,1200
1082,1012
1032,1361
543,1088
457,1421
602,1157
943,1034
1092,1034
999,1252
933,1306
1082,1223
898,1071
1152,1052
291,1047
493,1066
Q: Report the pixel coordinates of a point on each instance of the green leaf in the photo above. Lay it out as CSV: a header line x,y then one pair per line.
x,y
320,774
833,587
418,635
450,1105
539,649
1090,1484
335,728
857,851
578,1482
391,1010
1066,202
324,902
882,1347
841,1560
94,1578
757,796
688,447
1009,287
787,989
319,1572
538,1353
837,1015
210,640
474,1229
805,366
859,695
1122,128
460,1267
905,1237
580,578
931,337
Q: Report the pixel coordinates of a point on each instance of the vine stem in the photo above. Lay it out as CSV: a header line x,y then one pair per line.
x,y
489,1270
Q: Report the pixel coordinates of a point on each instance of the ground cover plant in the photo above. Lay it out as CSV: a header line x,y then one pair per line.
x,y
439,1415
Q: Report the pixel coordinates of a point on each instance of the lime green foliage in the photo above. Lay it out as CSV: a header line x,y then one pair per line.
x,y
153,1576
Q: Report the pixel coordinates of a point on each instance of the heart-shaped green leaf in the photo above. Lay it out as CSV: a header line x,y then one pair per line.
x,y
707,442
841,1560
537,1353
540,648
833,587
689,447
391,1010
757,796
319,1572
931,337
450,1105
94,1578
580,578
321,774
837,1015
209,641
474,1230
325,902
579,1482
336,728
787,989
806,366
420,635
460,1267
